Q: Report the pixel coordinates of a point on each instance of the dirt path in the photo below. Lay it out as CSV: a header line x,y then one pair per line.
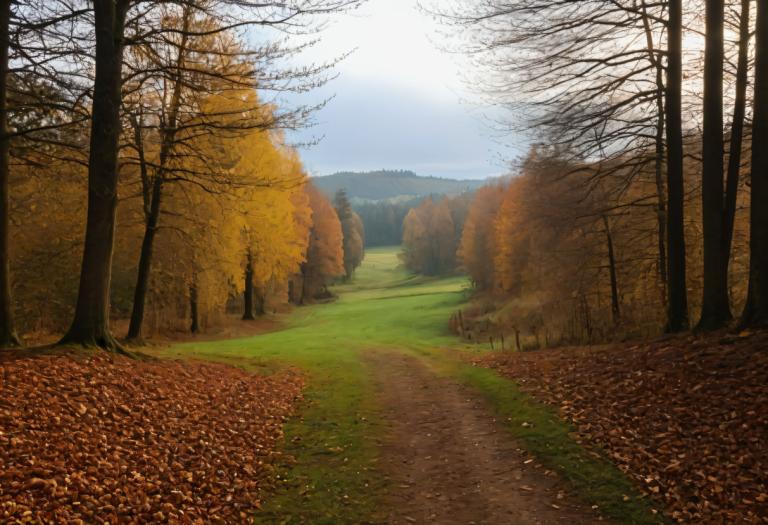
x,y
451,463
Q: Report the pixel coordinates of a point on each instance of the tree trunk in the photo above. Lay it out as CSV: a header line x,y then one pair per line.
x,y
8,335
715,308
259,301
615,307
304,278
737,135
90,326
677,296
248,289
661,207
587,318
756,311
292,293
153,217
194,315
146,185
145,262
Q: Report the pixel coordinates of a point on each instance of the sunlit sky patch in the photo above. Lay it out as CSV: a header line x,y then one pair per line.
x,y
399,101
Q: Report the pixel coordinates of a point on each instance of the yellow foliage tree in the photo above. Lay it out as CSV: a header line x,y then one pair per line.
x,y
274,216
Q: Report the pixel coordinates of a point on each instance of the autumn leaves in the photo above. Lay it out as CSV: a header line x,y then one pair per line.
x,y
114,440
646,114
190,182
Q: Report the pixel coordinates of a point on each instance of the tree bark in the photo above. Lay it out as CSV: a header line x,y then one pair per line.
x,y
248,288
145,262
715,307
259,303
661,205
587,317
756,311
292,292
90,326
304,278
737,134
677,296
615,306
194,315
8,337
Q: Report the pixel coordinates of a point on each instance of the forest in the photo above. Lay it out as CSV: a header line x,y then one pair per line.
x,y
196,204
384,198
633,214
198,326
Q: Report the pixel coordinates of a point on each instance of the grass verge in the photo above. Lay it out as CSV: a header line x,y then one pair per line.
x,y
332,477
538,429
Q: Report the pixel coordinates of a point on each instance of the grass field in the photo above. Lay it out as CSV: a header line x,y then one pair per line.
x,y
334,440
334,478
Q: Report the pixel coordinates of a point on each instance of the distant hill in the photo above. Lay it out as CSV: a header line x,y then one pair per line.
x,y
374,186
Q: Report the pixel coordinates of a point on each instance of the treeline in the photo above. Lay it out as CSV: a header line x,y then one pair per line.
x,y
217,249
644,203
392,185
384,221
353,234
553,263
155,113
431,234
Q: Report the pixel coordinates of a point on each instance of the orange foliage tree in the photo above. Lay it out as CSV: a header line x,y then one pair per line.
x,y
429,240
325,254
354,234
478,239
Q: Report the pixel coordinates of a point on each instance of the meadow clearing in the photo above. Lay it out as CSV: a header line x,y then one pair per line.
x,y
368,359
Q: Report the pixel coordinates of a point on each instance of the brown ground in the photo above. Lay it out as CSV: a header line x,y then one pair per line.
x,y
231,327
451,463
106,439
686,416
228,327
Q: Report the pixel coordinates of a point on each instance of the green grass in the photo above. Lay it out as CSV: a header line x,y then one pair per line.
x,y
538,428
334,478
334,439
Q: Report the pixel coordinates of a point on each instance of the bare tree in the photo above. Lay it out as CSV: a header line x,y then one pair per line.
x,y
35,106
756,310
592,76
715,311
737,132
8,335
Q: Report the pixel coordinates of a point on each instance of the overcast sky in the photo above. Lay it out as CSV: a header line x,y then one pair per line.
x,y
399,101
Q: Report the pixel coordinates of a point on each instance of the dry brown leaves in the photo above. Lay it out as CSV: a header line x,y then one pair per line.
x,y
686,417
108,439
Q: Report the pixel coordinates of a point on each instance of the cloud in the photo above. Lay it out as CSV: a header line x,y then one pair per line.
x,y
398,102
371,125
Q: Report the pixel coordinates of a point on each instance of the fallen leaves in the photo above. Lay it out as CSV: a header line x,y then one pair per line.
x,y
108,439
686,417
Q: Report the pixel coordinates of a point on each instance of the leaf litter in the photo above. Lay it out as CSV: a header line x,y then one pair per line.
x,y
686,417
112,440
